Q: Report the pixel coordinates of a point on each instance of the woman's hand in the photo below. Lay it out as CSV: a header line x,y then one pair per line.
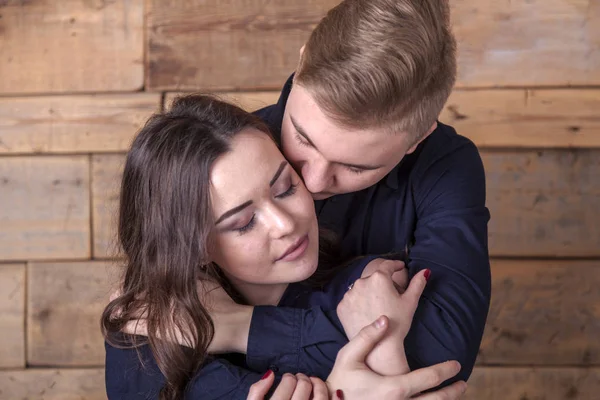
x,y
298,387
395,268
357,381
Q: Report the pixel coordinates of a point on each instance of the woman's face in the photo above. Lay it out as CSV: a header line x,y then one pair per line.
x,y
266,229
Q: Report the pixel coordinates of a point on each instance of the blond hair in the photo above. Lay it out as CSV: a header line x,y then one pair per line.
x,y
381,64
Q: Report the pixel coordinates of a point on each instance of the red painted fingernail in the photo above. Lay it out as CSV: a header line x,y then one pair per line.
x,y
339,394
427,274
266,375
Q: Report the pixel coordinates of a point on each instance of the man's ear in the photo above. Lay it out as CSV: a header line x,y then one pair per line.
x,y
302,50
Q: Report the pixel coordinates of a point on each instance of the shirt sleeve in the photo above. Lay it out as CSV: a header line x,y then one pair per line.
x,y
451,240
127,378
295,340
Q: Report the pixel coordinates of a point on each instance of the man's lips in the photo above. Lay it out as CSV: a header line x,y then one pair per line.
x,y
295,250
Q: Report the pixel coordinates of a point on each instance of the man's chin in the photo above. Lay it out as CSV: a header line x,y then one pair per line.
x,y
322,196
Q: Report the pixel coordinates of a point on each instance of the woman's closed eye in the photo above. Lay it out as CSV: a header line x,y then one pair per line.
x,y
248,226
289,192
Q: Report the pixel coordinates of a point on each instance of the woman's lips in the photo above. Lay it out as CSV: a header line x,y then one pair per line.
x,y
296,250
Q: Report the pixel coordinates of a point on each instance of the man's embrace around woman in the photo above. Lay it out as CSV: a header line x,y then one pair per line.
x,y
207,194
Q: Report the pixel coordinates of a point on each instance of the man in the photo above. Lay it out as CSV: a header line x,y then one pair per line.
x,y
358,121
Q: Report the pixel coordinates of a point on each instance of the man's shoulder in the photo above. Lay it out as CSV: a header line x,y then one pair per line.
x,y
443,149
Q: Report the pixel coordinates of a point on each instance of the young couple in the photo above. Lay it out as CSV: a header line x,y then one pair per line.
x,y
227,274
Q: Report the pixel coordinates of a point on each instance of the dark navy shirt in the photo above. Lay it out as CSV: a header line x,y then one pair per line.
x,y
433,204
228,376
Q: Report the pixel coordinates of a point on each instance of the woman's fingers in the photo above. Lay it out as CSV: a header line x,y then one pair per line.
x,y
303,388
259,390
319,389
452,392
361,344
415,289
286,388
426,378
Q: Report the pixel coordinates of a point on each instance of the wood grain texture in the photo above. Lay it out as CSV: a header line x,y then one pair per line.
x,y
73,124
53,384
71,46
543,203
497,383
44,208
526,118
227,45
527,42
12,315
106,182
64,303
543,313
249,101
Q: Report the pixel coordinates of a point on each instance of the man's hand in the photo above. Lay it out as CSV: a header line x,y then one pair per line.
x,y
231,320
377,295
395,268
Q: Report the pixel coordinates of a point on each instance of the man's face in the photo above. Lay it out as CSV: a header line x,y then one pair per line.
x,y
332,159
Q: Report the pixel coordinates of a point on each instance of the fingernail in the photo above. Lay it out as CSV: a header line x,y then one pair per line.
x,y
427,274
380,322
266,375
339,394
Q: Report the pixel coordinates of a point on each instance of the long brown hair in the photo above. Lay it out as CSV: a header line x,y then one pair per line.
x,y
164,225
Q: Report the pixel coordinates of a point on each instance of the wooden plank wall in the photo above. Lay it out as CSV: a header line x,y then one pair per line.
x,y
79,77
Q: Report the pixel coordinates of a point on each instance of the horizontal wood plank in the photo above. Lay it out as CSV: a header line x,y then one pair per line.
x,y
53,384
71,46
227,45
249,101
12,315
64,303
501,43
73,124
497,383
499,118
543,313
543,203
527,43
526,118
44,207
106,181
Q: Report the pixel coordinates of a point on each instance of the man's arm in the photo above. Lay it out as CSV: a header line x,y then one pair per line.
x,y
451,240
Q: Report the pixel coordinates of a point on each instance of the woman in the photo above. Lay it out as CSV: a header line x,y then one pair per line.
x,y
207,197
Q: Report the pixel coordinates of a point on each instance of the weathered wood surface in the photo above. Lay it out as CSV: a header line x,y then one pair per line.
x,y
64,304
254,44
543,203
227,45
44,208
543,313
12,315
527,43
106,182
515,118
53,384
71,46
73,124
497,383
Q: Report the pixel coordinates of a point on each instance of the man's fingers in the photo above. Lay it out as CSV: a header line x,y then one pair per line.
x,y
427,378
400,279
452,392
391,266
259,390
415,289
361,344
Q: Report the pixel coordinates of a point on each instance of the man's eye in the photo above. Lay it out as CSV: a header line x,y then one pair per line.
x,y
301,140
355,170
